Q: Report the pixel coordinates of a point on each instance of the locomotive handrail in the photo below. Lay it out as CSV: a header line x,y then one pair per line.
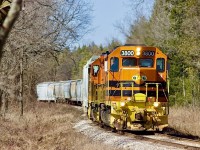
x,y
157,90
121,85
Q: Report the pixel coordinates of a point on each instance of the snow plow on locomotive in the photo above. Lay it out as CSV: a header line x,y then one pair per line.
x,y
128,88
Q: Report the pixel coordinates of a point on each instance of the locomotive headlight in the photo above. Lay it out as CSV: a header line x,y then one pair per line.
x,y
122,104
156,104
138,51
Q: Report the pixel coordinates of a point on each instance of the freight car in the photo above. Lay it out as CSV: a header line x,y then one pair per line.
x,y
45,91
128,88
75,91
69,91
59,91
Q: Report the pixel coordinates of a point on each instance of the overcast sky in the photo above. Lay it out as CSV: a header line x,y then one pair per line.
x,y
106,14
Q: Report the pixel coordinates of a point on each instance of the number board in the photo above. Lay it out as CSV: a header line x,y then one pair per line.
x,y
148,53
127,53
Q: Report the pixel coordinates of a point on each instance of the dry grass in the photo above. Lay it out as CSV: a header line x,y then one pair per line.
x,y
185,119
50,126
45,126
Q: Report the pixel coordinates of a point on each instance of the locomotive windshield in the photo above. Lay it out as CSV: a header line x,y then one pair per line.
x,y
146,62
129,62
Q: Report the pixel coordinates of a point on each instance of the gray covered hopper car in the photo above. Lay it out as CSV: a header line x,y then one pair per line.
x,y
76,91
67,86
58,88
45,91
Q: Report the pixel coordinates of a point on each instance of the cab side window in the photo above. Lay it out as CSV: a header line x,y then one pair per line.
x,y
95,70
114,64
160,64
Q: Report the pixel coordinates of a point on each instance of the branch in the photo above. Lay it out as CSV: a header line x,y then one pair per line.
x,y
9,22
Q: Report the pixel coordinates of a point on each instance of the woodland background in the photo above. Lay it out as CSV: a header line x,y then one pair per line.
x,y
40,46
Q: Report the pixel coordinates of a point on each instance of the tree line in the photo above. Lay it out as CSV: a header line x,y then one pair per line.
x,y
174,26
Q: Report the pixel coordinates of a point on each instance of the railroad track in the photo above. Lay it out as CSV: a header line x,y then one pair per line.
x,y
162,138
167,140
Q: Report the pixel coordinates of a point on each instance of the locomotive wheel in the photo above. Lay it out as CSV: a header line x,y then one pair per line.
x,y
91,113
92,116
101,115
101,123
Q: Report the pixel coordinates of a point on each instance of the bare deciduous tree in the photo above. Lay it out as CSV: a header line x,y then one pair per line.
x,y
42,30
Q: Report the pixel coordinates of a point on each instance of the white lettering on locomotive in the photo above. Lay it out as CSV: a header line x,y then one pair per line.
x,y
127,53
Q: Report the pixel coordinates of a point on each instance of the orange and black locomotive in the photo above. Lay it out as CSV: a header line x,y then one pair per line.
x,y
128,88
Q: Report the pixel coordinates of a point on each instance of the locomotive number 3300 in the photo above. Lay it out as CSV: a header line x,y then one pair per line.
x,y
127,53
